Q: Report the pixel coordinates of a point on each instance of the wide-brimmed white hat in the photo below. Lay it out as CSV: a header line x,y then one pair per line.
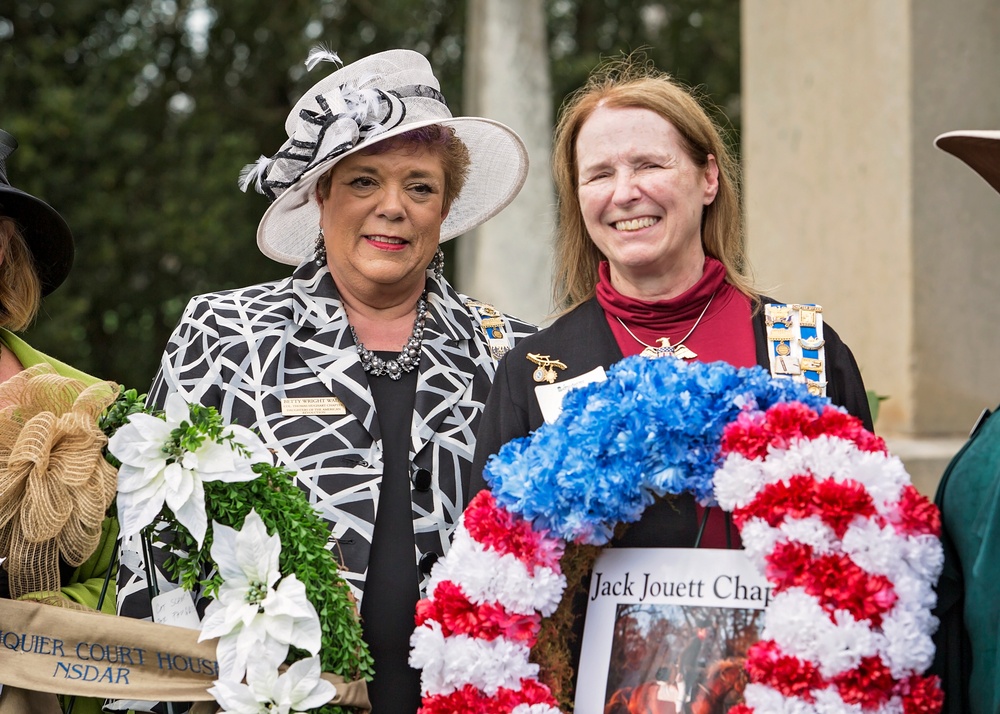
x,y
979,149
362,103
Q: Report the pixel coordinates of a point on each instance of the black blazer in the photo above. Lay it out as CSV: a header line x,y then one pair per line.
x,y
583,340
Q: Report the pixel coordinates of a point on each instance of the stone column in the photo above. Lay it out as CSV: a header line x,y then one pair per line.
x,y
508,260
850,205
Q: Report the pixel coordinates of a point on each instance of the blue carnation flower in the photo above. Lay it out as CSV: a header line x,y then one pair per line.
x,y
653,427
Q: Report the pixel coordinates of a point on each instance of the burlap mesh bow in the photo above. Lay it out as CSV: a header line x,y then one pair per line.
x,y
55,485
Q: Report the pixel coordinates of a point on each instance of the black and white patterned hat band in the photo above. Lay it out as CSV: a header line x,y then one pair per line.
x,y
348,116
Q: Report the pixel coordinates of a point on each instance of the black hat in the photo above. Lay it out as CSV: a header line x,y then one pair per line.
x,y
48,236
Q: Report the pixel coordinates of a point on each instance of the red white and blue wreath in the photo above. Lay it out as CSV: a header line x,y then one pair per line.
x,y
825,512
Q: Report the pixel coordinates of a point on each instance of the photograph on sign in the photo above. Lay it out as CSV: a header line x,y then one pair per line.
x,y
667,631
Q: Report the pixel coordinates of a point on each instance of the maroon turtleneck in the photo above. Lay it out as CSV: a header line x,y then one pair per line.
x,y
724,333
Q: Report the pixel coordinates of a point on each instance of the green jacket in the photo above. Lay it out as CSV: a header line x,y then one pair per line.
x,y
967,641
88,580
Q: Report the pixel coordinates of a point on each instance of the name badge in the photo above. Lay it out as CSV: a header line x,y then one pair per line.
x,y
550,396
312,406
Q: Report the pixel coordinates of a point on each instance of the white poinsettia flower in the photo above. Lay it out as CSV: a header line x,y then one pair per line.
x,y
254,613
156,471
266,692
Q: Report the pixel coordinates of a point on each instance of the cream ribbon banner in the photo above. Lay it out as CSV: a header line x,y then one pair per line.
x,y
62,651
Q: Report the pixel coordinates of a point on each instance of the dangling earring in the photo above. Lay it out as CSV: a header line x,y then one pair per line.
x,y
320,249
437,264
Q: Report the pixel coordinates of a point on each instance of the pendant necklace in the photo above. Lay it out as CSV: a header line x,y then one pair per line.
x,y
409,356
678,351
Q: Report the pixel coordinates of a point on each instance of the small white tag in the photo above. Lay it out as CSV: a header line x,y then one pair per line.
x,y
176,607
319,406
550,396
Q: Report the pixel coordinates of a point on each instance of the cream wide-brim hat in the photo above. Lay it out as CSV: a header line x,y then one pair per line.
x,y
979,149
358,105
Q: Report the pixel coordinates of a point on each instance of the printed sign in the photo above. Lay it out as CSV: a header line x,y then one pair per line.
x,y
667,630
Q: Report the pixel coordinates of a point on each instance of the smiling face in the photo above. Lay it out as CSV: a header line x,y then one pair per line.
x,y
382,222
641,197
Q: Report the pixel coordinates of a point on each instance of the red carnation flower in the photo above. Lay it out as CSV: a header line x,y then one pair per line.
x,y
839,584
787,564
469,699
498,529
789,675
780,500
833,422
869,685
745,436
836,581
427,609
787,422
457,614
520,628
921,695
915,514
838,503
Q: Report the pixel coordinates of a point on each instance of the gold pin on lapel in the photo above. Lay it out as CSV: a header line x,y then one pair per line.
x,y
807,314
777,314
815,388
811,364
545,372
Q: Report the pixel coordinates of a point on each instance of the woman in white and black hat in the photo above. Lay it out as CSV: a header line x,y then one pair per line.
x,y
967,641
365,371
65,556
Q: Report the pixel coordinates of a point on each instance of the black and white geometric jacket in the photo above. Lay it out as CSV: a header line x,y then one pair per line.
x,y
243,351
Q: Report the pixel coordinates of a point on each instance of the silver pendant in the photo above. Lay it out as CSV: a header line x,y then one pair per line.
x,y
665,349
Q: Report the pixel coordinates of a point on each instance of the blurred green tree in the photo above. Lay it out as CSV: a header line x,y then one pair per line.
x,y
135,117
696,41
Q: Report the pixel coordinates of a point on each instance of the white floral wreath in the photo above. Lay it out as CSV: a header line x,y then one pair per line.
x,y
260,614
825,512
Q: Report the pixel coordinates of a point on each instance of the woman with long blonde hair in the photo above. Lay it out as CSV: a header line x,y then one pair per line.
x,y
650,259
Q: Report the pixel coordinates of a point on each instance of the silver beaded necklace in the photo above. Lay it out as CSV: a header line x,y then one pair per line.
x,y
409,356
